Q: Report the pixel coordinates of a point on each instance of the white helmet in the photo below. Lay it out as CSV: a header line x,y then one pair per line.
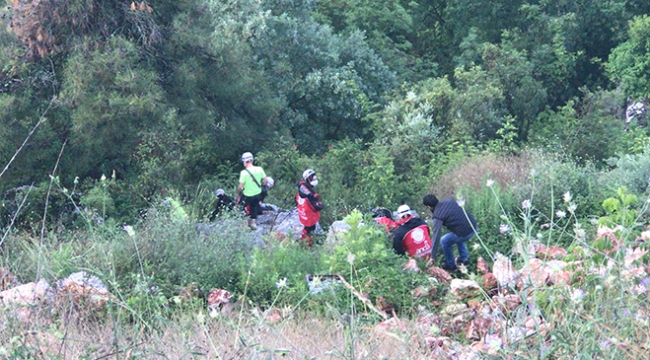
x,y
219,192
403,211
269,182
307,174
246,157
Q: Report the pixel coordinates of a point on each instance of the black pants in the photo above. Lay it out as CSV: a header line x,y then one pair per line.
x,y
254,205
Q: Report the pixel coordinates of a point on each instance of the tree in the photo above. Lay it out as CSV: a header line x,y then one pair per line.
x,y
629,63
329,82
389,28
112,96
524,96
586,128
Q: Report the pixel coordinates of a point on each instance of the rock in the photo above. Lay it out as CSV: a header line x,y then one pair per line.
x,y
464,288
490,283
29,294
505,303
533,274
561,278
7,280
539,273
551,252
482,266
637,110
82,289
503,270
217,297
491,344
336,231
439,346
411,265
440,274
478,328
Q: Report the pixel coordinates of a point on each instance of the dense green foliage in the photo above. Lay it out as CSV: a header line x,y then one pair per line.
x,y
119,119
167,94
107,108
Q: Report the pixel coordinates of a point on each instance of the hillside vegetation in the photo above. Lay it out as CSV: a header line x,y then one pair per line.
x,y
533,114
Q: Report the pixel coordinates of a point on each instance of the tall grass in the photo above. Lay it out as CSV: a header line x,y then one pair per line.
x,y
603,312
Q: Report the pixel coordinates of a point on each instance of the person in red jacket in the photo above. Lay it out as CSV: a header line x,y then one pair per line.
x,y
413,236
309,205
384,217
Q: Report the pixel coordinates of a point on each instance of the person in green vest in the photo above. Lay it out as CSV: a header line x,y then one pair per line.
x,y
176,209
251,182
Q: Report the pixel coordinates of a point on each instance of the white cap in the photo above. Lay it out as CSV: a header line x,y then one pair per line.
x,y
219,192
246,157
403,211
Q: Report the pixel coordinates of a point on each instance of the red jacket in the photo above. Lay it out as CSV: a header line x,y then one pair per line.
x,y
307,214
413,238
309,204
388,223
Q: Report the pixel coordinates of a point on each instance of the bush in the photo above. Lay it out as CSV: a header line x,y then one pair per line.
x,y
175,253
263,278
366,259
629,171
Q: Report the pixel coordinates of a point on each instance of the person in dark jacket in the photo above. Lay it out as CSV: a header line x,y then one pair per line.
x,y
412,237
309,205
461,226
224,202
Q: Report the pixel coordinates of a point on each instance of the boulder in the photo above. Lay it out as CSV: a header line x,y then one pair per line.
x,y
551,252
218,297
464,288
482,266
503,270
25,295
7,280
336,231
82,289
490,283
440,274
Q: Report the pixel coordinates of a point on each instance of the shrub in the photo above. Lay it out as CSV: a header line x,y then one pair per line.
x,y
263,277
366,259
629,171
175,253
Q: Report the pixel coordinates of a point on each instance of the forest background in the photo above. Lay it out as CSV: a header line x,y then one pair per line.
x,y
380,97
107,107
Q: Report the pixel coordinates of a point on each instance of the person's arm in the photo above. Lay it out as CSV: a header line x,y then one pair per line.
x,y
435,237
217,210
316,202
313,198
263,181
240,187
228,202
398,236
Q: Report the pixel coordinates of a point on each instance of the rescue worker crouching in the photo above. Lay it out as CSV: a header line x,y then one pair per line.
x,y
412,236
461,225
224,202
384,217
309,205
